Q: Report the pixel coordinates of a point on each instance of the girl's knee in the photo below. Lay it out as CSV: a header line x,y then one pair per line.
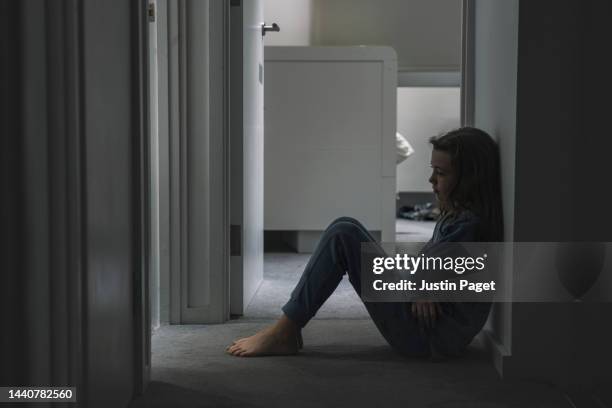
x,y
350,220
345,228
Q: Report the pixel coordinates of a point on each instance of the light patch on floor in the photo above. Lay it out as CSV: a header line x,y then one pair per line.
x,y
282,272
413,231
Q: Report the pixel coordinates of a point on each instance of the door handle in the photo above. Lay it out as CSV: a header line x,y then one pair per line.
x,y
265,28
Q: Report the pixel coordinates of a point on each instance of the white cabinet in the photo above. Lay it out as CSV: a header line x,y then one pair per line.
x,y
330,122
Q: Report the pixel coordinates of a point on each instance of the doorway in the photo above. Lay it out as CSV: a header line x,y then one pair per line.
x,y
200,347
206,242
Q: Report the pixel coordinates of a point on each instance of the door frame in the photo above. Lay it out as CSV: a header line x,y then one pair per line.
x,y
468,38
142,205
198,156
49,127
246,237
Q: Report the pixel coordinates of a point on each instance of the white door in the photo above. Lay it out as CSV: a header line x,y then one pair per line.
x,y
247,146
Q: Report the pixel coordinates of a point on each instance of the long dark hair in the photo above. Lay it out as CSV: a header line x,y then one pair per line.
x,y
475,160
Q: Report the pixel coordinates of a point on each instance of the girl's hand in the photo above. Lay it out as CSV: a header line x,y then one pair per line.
x,y
426,312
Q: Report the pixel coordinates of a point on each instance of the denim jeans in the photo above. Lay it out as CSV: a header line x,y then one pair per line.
x,y
339,252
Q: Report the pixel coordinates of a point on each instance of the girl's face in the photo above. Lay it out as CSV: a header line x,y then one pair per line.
x,y
443,177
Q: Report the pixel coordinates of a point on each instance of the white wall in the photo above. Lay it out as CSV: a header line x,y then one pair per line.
x,y
294,18
496,47
562,149
401,24
425,34
539,91
422,113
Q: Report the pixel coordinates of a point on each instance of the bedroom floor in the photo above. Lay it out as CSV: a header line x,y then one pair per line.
x,y
345,362
413,231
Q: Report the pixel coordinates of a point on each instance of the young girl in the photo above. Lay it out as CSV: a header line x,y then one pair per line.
x,y
466,181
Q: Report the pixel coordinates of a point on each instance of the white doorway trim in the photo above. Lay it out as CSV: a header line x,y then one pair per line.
x,y
199,201
247,151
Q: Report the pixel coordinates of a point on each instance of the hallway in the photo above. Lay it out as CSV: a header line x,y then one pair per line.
x,y
345,362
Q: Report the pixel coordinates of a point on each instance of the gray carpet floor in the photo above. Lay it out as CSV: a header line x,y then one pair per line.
x,y
282,272
345,363
413,231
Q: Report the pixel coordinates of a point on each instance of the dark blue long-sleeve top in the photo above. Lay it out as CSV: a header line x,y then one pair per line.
x,y
461,321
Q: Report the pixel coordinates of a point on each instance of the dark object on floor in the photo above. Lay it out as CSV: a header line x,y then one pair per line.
x,y
419,212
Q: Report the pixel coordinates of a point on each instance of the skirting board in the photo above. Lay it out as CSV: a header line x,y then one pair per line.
x,y
500,355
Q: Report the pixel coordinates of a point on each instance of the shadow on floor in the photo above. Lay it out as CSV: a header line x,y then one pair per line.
x,y
475,354
163,395
344,363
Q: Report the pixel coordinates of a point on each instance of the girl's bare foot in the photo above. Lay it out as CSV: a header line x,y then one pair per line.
x,y
282,338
